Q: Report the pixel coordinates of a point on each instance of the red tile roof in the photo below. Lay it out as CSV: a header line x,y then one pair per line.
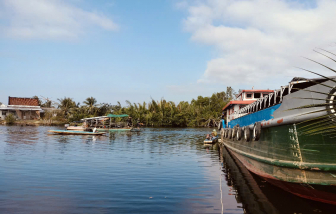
x,y
245,102
23,101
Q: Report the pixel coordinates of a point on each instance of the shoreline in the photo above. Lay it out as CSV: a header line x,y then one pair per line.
x,y
33,123
58,123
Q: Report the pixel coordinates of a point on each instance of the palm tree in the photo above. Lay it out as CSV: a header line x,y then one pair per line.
x,y
90,104
66,104
39,101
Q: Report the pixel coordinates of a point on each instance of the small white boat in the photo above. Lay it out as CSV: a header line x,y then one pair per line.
x,y
71,132
77,128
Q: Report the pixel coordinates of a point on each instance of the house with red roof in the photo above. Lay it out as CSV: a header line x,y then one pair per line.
x,y
22,108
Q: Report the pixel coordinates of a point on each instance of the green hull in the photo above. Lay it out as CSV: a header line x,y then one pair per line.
x,y
285,153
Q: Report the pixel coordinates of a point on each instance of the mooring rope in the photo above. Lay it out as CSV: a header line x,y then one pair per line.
x,y
220,184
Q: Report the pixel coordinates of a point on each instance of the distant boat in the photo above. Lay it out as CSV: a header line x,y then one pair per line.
x,y
71,132
105,123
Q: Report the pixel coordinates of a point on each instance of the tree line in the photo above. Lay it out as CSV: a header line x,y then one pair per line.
x,y
203,111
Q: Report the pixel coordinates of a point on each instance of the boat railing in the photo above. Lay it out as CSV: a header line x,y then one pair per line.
x,y
269,100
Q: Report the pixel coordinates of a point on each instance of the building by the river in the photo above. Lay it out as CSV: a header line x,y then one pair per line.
x,y
22,108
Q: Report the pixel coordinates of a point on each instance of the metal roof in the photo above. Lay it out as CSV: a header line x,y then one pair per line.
x,y
237,102
21,108
108,116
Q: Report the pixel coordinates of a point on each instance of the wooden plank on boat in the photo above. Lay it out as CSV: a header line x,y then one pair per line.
x,y
211,141
67,132
75,128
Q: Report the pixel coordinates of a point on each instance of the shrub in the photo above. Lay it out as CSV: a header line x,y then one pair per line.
x,y
10,119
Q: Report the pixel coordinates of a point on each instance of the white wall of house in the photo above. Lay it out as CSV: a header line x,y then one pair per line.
x,y
4,113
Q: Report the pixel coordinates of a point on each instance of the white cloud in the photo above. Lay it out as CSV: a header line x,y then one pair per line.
x,y
258,42
48,19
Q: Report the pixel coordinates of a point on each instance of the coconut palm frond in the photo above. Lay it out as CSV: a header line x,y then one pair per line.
x,y
320,76
310,106
310,98
324,124
317,92
320,64
325,55
315,123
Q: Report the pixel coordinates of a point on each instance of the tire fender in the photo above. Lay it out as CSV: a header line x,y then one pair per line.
x,y
233,134
239,133
247,133
256,131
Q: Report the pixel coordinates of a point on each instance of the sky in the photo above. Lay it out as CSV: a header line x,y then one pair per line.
x,y
117,50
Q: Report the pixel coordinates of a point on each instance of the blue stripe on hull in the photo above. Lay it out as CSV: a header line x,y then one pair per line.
x,y
258,116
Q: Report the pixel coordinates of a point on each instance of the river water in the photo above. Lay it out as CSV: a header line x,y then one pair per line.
x,y
160,170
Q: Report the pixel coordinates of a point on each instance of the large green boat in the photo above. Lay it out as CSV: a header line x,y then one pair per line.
x,y
287,136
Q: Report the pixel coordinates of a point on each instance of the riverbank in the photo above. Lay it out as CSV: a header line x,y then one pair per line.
x,y
62,123
35,123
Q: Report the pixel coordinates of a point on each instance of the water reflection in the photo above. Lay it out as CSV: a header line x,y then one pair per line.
x,y
155,171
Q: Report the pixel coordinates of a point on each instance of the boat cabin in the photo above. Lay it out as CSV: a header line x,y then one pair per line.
x,y
244,98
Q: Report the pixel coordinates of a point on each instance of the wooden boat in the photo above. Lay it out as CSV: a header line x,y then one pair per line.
x,y
288,136
69,132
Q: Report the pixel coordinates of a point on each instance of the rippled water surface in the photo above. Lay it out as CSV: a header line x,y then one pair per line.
x,y
159,170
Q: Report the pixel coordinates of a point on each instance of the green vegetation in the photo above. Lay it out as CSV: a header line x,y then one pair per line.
x,y
203,111
10,119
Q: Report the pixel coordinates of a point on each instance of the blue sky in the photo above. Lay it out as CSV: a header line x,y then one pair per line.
x,y
117,50
147,53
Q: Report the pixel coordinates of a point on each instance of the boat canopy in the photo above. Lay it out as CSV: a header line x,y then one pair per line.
x,y
114,115
106,117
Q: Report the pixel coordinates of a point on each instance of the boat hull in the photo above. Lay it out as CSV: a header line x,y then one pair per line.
x,y
112,129
67,132
286,157
301,189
